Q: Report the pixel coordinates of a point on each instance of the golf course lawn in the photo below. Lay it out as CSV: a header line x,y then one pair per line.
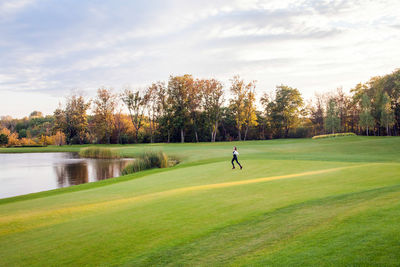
x,y
325,202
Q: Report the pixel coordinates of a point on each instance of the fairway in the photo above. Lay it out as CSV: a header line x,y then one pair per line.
x,y
325,202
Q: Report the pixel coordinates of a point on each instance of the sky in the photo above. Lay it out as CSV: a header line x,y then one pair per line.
x,y
49,49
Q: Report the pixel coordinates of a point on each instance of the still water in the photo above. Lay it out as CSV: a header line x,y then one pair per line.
x,y
34,172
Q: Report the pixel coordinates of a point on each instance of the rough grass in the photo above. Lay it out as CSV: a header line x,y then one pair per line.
x,y
147,160
333,135
98,153
324,202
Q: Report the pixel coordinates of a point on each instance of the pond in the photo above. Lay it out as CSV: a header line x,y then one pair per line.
x,y
25,173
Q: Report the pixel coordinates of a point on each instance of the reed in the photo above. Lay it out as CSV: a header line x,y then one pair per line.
x,y
98,153
147,160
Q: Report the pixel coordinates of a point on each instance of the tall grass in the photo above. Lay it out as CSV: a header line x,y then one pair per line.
x,y
98,153
333,135
147,160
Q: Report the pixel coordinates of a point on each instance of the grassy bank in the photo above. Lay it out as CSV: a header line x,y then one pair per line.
x,y
46,149
296,202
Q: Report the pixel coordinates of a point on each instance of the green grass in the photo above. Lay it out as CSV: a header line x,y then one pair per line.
x,y
324,202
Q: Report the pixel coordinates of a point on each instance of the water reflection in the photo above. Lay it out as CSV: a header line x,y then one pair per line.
x,y
34,172
72,174
88,170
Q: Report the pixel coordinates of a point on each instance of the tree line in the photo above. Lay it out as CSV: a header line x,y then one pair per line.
x,y
187,109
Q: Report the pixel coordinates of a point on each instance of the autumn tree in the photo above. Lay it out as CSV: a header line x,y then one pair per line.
x,y
343,106
387,115
250,117
212,99
332,119
136,104
59,138
76,117
358,92
5,131
73,119
194,100
317,115
178,98
122,122
11,137
165,119
36,114
239,91
104,108
7,122
155,99
285,108
265,116
60,123
366,119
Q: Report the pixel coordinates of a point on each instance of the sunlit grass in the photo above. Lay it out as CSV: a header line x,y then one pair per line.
x,y
324,202
333,135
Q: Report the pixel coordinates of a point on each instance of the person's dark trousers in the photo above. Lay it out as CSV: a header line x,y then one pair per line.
x,y
235,159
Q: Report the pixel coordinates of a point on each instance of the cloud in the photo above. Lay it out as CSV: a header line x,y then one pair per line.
x,y
10,7
51,47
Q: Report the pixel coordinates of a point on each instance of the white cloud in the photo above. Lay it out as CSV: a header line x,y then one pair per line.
x,y
9,6
20,104
310,44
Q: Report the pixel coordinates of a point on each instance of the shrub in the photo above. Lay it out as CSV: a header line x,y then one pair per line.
x,y
333,135
300,132
46,140
5,131
98,152
27,142
13,140
3,139
147,160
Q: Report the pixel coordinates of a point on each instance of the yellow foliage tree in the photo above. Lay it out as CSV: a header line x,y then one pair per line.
x,y
13,140
5,131
27,142
59,138
250,117
46,140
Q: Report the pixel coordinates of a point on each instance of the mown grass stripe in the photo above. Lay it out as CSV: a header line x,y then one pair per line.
x,y
55,216
255,234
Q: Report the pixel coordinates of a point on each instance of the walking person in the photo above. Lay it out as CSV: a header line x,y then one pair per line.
x,y
235,155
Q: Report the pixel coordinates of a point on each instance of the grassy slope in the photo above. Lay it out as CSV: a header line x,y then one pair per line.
x,y
202,212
